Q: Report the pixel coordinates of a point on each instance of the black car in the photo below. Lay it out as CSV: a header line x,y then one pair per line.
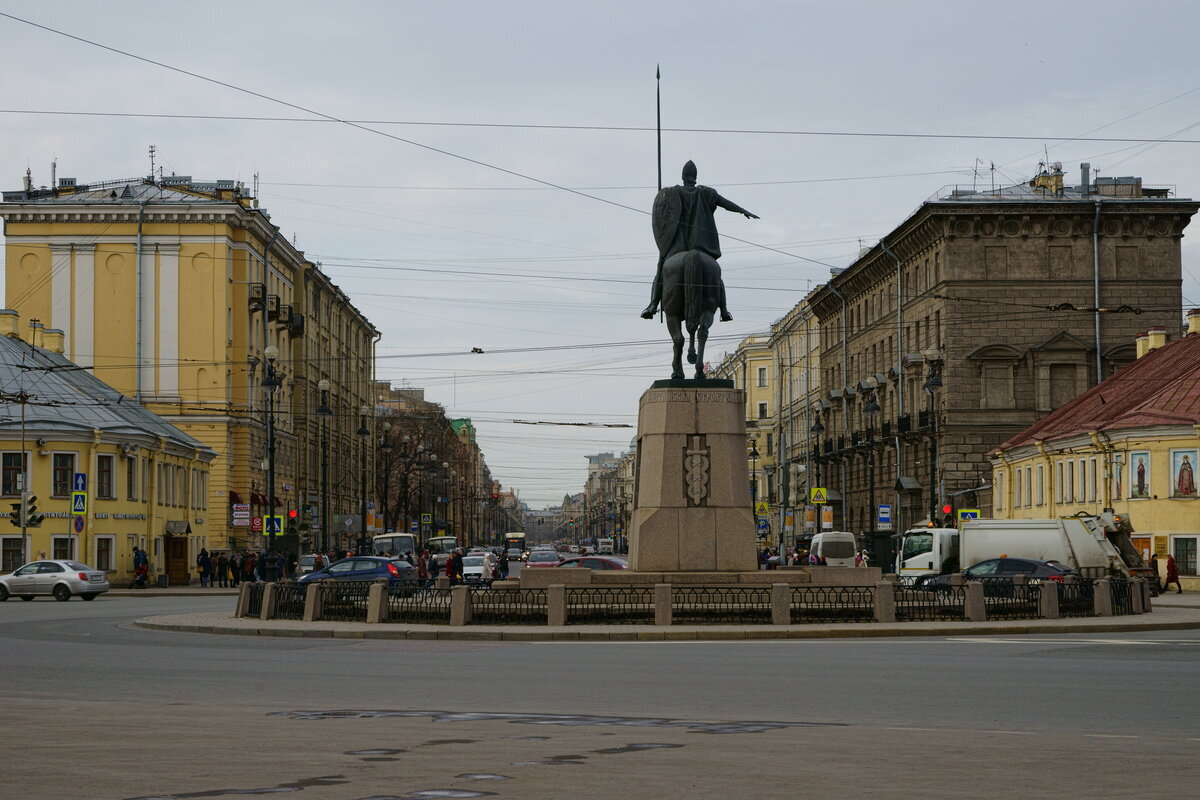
x,y
997,573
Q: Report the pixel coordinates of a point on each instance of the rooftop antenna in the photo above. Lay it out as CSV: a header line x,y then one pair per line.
x,y
53,172
993,171
153,150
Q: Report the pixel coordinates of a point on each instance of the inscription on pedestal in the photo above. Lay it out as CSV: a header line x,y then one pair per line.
x,y
695,471
714,396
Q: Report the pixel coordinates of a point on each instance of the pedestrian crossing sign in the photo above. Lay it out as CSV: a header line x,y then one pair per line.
x,y
818,494
760,508
968,513
79,503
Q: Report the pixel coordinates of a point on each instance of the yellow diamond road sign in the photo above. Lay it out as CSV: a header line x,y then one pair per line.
x,y
760,508
818,495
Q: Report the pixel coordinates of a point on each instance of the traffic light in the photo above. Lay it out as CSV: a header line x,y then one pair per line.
x,y
293,517
32,518
16,515
571,522
947,515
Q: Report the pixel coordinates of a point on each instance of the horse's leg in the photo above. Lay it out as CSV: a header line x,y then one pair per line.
x,y
676,331
691,329
706,322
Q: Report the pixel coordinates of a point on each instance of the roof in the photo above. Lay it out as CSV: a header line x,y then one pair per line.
x,y
1160,388
64,396
172,189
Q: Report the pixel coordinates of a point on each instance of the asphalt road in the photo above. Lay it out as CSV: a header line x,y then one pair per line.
x,y
90,700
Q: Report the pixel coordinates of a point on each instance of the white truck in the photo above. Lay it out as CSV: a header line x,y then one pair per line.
x,y
1093,546
604,546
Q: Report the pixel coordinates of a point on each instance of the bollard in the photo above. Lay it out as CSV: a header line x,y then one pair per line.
x,y
1102,604
268,602
1048,600
662,604
460,605
377,601
1146,593
243,601
781,604
312,599
885,601
556,605
974,607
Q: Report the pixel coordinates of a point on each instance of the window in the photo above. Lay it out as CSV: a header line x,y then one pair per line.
x,y
63,548
105,467
63,472
1028,487
14,464
770,444
762,410
1092,479
104,553
1059,483
1184,550
1041,485
145,481
131,478
1018,498
12,553
762,376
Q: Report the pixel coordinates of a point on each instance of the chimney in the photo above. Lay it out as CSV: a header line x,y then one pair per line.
x,y
1085,178
55,340
1158,337
10,322
35,333
1193,318
1142,340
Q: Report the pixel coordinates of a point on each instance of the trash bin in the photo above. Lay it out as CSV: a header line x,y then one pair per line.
x,y
164,580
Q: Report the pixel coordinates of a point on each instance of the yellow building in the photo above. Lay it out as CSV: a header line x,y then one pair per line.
x,y
175,292
107,474
1130,444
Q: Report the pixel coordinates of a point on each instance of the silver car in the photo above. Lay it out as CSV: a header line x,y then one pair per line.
x,y
58,578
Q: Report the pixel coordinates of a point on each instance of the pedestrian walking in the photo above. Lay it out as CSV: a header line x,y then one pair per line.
x,y
235,569
204,567
1172,576
281,564
502,568
861,560
249,563
1157,575
423,568
223,571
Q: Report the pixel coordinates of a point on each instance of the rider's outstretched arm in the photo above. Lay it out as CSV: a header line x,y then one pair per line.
x,y
729,205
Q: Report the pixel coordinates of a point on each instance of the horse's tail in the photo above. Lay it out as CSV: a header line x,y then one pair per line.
x,y
694,287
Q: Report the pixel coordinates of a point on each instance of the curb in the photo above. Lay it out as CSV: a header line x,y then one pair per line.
x,y
675,634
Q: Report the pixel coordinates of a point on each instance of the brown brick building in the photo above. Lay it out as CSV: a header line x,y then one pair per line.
x,y
993,292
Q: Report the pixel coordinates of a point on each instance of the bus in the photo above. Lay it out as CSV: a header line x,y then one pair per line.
x,y
439,547
514,541
398,544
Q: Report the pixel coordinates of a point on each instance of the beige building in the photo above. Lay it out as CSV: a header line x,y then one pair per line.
x,y
177,293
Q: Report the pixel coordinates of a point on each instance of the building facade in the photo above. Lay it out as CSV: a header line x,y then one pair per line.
x,y
107,474
185,297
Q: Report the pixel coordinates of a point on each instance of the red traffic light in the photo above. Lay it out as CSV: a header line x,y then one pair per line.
x,y
293,514
947,509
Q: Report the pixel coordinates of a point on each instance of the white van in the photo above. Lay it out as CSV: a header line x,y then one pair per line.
x,y
836,547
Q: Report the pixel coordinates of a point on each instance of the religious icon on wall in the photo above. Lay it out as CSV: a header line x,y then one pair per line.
x,y
1139,473
1183,475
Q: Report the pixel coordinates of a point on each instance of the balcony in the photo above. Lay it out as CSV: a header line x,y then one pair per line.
x,y
272,306
904,423
296,324
284,315
256,297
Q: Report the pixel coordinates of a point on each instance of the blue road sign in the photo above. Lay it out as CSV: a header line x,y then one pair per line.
x,y
78,524
275,523
79,482
412,526
885,513
763,525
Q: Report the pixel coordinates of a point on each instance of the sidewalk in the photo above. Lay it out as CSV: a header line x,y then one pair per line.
x,y
1163,618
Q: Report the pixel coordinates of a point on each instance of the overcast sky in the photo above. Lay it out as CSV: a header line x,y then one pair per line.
x,y
445,251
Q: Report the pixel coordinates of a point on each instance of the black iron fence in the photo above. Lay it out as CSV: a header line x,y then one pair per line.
x,y
508,606
1004,598
345,601
930,605
1076,599
610,606
405,604
289,600
1122,596
720,605
832,604
254,598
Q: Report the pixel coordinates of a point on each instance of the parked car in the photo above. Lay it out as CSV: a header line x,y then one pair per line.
x,y
397,571
479,568
595,562
62,579
994,571
308,563
542,558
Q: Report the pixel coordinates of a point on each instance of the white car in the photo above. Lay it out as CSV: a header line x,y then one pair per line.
x,y
479,568
62,579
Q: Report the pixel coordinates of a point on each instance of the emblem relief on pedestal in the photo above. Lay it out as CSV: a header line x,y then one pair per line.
x,y
695,471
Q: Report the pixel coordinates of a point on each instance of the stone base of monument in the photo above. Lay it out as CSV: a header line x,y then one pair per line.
x,y
540,578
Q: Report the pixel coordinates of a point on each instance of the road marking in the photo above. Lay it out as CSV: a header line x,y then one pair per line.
x,y
1110,736
1032,640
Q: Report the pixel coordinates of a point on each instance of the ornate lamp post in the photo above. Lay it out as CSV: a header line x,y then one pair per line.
x,y
271,384
753,471
364,434
324,412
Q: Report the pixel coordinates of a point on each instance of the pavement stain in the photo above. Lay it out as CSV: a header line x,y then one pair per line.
x,y
282,788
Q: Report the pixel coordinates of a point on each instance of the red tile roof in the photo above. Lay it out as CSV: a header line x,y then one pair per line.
x,y
1160,388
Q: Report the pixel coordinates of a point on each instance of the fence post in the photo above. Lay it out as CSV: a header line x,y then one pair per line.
x,y
885,601
1146,606
243,601
1048,600
268,602
312,600
460,605
781,604
662,604
1102,604
1136,595
377,599
556,605
974,607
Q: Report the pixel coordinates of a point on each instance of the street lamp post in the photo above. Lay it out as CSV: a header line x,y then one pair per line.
x,y
365,434
932,384
385,447
324,412
271,385
753,471
871,411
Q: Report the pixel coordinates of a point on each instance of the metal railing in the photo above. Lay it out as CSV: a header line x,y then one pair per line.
x,y
289,600
1122,596
1004,598
720,605
508,606
254,599
610,606
345,601
924,605
407,604
1076,599
832,604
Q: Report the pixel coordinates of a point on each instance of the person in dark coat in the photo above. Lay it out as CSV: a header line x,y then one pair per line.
x,y
223,570
235,569
1154,570
1172,576
204,566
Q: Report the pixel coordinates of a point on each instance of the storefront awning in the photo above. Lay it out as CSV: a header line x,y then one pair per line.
x,y
177,527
